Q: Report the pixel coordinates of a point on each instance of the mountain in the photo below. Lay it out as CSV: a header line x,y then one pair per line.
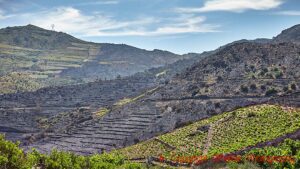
x,y
238,75
289,35
56,107
49,58
31,36
241,96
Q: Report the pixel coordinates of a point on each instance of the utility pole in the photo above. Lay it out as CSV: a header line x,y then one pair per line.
x,y
52,26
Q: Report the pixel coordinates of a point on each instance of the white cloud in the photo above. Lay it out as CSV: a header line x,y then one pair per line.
x,y
180,25
72,20
289,13
103,2
234,5
187,24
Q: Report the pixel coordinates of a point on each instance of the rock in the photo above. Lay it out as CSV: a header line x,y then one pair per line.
x,y
204,128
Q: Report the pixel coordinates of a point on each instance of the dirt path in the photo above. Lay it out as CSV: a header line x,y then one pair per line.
x,y
210,136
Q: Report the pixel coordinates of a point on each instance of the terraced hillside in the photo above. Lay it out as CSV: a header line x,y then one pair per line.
x,y
48,58
227,80
56,108
28,112
124,112
221,134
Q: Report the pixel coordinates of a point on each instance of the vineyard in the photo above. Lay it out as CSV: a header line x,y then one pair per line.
x,y
231,131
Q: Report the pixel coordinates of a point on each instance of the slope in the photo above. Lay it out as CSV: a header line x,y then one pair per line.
x,y
52,58
231,131
227,80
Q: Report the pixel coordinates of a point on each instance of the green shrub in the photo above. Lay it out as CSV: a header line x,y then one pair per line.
x,y
271,92
12,157
244,89
278,75
293,86
253,87
263,87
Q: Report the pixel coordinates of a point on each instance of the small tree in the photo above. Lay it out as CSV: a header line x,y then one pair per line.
x,y
244,89
253,87
263,87
293,86
271,92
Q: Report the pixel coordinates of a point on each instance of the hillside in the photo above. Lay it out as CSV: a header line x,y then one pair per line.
x,y
240,132
199,145
49,58
56,108
31,36
291,34
239,75
221,134
242,95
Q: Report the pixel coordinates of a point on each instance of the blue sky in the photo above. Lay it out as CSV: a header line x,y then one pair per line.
x,y
180,26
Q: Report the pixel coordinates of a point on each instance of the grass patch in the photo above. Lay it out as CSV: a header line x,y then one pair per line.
x,y
101,113
161,73
125,101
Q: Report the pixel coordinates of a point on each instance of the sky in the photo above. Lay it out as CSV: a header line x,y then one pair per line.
x,y
179,26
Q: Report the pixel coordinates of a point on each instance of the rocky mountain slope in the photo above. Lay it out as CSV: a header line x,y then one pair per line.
x,y
48,58
292,35
55,108
112,114
240,74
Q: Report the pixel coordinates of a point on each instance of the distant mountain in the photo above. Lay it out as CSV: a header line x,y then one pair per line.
x,y
31,36
50,58
289,35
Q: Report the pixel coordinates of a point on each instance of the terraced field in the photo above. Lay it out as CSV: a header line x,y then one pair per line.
x,y
52,58
40,67
231,131
98,135
59,107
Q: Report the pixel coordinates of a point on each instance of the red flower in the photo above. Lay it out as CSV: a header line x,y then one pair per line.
x,y
161,158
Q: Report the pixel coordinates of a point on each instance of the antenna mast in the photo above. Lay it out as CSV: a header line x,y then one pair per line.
x,y
52,26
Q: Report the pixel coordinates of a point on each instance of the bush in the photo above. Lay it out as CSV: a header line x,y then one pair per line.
x,y
278,75
293,86
244,89
253,87
251,114
217,105
271,92
12,157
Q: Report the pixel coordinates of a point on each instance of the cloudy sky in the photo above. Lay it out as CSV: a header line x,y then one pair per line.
x,y
180,26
